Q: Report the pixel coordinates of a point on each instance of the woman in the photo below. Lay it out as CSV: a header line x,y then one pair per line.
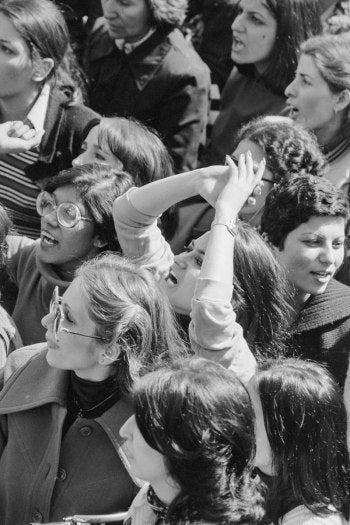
x,y
319,98
61,411
76,224
34,43
301,448
195,457
139,64
287,148
240,276
266,39
308,241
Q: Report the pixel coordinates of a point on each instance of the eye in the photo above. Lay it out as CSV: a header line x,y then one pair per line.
x,y
255,19
338,244
311,242
100,156
6,49
305,82
198,260
67,317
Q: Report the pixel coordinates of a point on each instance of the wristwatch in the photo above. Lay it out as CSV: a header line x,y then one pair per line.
x,y
231,226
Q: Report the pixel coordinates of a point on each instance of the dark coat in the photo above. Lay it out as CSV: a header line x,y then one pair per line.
x,y
163,83
44,478
322,330
66,126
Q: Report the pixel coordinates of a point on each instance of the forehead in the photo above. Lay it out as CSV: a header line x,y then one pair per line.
x,y
325,226
201,243
68,193
91,138
255,5
9,32
76,300
307,66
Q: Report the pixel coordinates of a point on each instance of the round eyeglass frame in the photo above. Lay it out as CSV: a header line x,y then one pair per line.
x,y
57,208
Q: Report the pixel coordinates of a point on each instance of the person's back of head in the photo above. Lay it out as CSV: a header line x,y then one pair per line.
x,y
199,417
305,421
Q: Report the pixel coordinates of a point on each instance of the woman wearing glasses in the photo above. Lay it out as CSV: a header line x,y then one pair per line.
x,y
60,413
76,225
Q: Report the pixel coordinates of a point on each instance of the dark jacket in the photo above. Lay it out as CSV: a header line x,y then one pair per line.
x,y
163,83
322,330
66,126
44,478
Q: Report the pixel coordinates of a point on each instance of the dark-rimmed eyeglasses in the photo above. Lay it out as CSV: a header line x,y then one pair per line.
x,y
256,166
68,213
57,310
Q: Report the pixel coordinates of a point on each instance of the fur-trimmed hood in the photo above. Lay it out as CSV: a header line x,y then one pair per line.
x,y
171,12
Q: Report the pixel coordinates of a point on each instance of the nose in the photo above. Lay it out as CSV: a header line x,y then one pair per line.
x,y
327,255
78,161
109,8
290,90
126,429
47,320
51,218
238,23
182,259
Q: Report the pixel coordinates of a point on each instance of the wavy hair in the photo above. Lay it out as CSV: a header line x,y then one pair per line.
x,y
287,146
167,12
199,417
97,186
295,200
131,314
305,421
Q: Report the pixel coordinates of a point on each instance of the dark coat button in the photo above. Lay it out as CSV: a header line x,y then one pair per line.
x,y
85,431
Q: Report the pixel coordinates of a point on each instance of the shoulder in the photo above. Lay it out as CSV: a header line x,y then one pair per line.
x,y
21,357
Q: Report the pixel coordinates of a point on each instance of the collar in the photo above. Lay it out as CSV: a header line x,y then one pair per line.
x,y
128,47
37,114
324,309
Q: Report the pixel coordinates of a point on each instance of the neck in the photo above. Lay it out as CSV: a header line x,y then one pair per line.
x,y
327,134
166,490
18,106
100,373
300,299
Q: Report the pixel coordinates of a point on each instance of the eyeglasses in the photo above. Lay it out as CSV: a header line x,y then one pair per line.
x,y
68,213
57,310
271,181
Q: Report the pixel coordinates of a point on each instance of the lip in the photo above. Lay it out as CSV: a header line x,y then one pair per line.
x,y
46,236
237,44
171,279
322,276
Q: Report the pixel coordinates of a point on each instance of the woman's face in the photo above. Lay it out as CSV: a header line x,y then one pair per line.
x,y
63,247
312,253
146,463
182,278
309,98
75,352
263,454
16,67
258,154
91,152
126,19
254,33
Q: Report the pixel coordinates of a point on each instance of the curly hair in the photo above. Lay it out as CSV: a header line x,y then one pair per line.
x,y
199,417
288,147
131,313
295,200
305,421
168,12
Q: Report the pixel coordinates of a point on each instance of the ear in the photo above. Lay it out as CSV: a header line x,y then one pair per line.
x,y
42,69
99,241
343,100
109,354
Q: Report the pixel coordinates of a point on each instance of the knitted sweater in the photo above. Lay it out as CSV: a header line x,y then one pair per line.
x,y
322,330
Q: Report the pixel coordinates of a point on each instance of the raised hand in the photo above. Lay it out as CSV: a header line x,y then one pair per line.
x,y
16,137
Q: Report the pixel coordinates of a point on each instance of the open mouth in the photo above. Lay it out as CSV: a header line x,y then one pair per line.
x,y
47,239
171,279
322,276
237,44
293,111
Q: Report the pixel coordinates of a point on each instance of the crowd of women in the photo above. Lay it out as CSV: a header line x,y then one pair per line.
x,y
175,301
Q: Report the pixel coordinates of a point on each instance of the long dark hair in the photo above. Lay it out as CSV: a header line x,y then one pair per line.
x,y
305,420
296,20
199,416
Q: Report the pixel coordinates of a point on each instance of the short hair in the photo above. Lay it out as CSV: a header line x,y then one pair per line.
x,y
41,24
296,20
305,421
287,146
331,55
294,201
167,12
139,148
131,312
199,416
98,186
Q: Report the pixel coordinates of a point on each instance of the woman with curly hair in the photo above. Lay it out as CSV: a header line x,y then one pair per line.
x,y
192,439
319,98
139,64
301,449
266,38
304,221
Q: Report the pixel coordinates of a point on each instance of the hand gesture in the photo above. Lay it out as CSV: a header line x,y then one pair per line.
x,y
16,137
242,185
